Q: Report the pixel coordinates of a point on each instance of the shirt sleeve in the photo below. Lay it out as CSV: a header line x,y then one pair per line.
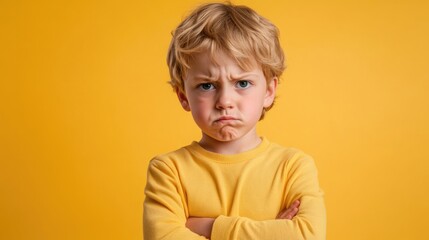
x,y
309,223
164,214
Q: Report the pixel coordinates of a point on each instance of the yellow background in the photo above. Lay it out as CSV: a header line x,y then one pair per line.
x,y
84,105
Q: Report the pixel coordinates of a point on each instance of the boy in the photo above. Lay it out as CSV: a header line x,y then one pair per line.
x,y
225,62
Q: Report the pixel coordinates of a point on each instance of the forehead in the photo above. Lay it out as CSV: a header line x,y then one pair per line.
x,y
206,62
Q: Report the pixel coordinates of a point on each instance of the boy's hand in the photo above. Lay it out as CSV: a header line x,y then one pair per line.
x,y
290,212
200,226
203,226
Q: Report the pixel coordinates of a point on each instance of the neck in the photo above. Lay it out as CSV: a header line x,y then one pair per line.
x,y
245,143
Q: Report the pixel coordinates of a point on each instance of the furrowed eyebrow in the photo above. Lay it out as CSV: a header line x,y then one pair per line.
x,y
205,78
209,78
244,75
232,77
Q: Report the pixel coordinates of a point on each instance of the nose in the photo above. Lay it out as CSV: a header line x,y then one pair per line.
x,y
225,98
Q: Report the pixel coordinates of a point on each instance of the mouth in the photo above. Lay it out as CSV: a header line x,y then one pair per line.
x,y
226,119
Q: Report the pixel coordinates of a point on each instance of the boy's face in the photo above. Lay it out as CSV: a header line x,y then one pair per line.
x,y
226,101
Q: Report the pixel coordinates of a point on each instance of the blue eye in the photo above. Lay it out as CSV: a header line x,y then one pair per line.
x,y
206,86
243,84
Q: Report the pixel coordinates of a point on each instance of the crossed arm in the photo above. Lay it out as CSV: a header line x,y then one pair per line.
x,y
203,226
166,217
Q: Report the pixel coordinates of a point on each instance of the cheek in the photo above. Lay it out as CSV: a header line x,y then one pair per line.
x,y
252,109
200,107
199,103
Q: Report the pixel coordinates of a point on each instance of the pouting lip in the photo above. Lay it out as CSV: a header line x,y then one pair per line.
x,y
225,118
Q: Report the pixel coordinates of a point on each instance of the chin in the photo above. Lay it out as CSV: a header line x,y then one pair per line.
x,y
228,134
226,139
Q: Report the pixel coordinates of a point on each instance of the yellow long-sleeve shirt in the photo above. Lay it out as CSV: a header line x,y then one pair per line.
x,y
244,192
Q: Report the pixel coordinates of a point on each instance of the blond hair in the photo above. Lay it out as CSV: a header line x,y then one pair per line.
x,y
237,30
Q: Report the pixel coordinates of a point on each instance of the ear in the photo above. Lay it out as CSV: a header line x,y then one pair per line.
x,y
183,100
271,92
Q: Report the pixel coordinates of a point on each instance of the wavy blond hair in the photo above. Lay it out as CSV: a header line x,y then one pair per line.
x,y
237,30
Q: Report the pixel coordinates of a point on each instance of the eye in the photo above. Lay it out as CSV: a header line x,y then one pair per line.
x,y
243,84
206,86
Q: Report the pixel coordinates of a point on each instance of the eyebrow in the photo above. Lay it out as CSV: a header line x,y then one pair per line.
x,y
205,78
236,77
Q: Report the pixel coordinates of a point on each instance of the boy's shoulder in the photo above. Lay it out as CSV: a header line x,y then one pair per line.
x,y
291,155
172,156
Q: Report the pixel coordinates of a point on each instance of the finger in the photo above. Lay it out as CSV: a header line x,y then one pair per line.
x,y
294,208
286,212
295,204
291,211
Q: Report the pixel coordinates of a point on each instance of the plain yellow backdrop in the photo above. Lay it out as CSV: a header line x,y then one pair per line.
x,y
84,105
